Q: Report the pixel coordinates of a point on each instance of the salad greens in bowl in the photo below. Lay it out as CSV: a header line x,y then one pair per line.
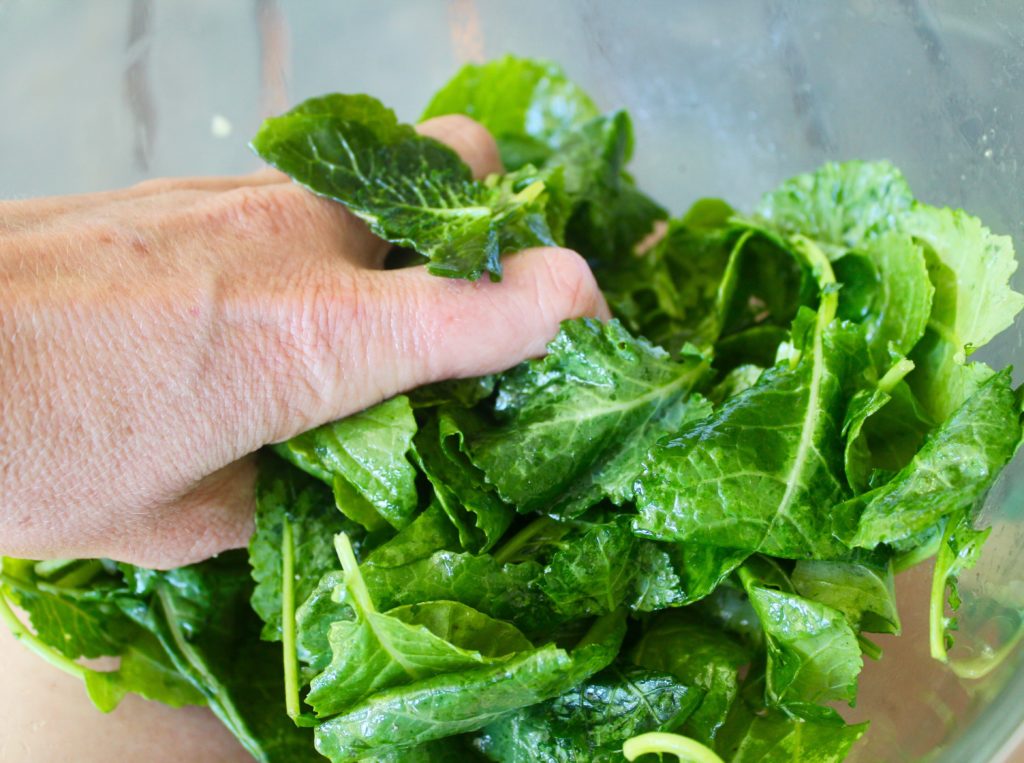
x,y
675,533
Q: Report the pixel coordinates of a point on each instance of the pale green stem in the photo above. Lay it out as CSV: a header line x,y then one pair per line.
x,y
291,659
34,643
520,539
353,580
656,742
937,603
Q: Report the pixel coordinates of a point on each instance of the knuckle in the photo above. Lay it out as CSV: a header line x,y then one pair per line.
x,y
569,284
260,210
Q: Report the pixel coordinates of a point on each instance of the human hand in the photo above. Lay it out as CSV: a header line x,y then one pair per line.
x,y
152,338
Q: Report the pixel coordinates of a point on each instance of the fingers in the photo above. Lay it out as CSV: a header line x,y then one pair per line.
x,y
460,329
468,138
400,329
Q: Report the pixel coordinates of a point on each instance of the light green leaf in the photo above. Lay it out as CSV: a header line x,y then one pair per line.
x,y
364,458
457,703
863,590
953,469
529,106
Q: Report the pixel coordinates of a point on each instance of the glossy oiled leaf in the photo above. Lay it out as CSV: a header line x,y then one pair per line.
x,y
954,468
287,496
813,654
863,590
504,591
700,656
457,703
591,721
760,472
472,505
411,190
381,650
575,426
778,737
364,458
529,106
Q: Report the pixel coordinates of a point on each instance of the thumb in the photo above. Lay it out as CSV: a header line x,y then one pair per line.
x,y
446,329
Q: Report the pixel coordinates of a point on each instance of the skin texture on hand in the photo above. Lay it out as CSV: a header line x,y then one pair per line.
x,y
152,339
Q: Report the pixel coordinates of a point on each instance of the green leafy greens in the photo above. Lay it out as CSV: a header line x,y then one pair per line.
x,y
669,535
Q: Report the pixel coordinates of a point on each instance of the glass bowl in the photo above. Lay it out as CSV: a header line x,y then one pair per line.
x,y
728,97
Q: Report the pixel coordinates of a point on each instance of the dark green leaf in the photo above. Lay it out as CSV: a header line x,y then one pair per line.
x,y
700,656
759,472
576,425
591,721
411,190
286,495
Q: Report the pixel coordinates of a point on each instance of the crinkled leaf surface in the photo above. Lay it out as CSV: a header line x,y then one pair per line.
x,y
591,721
700,656
411,190
285,494
761,471
954,468
364,458
839,205
575,426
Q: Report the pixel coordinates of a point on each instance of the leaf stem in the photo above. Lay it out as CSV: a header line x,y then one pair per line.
x,y
34,643
656,742
353,579
869,647
937,602
290,655
917,555
80,575
509,550
981,666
